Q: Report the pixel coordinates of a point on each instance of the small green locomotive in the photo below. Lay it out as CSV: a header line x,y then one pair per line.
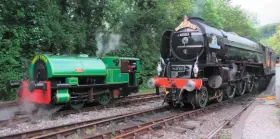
x,y
76,80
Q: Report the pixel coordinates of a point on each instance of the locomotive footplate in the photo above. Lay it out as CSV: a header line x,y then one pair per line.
x,y
174,88
67,86
179,83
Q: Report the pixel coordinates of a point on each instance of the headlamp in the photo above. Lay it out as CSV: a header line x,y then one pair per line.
x,y
151,83
190,85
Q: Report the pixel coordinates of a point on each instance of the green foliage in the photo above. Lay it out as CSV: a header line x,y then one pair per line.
x,y
274,41
220,14
30,27
147,90
234,19
211,15
267,30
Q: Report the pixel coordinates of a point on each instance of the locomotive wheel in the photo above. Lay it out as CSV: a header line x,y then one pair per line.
x,y
241,87
103,99
77,105
250,84
230,91
220,95
256,86
170,103
201,97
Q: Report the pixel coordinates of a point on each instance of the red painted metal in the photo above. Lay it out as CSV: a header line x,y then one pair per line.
x,y
176,83
116,93
38,96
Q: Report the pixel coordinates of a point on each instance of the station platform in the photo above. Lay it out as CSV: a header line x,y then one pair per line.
x,y
262,119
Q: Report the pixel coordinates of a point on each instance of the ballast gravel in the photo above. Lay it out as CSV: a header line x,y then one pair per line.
x,y
209,121
74,118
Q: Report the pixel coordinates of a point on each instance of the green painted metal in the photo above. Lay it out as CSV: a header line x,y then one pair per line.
x,y
130,58
234,52
136,79
114,74
138,65
243,47
62,96
61,66
72,80
117,76
109,62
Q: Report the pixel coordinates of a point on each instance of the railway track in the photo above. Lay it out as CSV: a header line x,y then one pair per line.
x,y
228,121
8,104
4,105
151,127
122,126
132,99
76,127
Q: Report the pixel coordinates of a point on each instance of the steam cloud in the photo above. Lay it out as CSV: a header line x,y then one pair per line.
x,y
8,113
30,109
113,43
232,72
46,110
27,107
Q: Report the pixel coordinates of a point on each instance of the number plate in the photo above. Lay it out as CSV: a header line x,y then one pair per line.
x,y
177,68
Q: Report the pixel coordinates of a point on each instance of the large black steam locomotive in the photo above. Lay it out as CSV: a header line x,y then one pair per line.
x,y
200,63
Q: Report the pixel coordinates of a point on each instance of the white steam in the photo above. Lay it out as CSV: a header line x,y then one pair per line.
x,y
106,44
48,111
31,109
8,113
28,108
232,72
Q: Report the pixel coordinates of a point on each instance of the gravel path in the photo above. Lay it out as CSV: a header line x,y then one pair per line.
x,y
262,123
73,118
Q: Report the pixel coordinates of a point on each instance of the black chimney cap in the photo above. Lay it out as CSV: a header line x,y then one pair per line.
x,y
196,18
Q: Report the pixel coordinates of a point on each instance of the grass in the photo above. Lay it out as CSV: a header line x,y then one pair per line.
x,y
145,90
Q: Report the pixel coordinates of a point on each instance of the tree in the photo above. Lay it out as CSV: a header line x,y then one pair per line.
x,y
267,30
211,15
274,41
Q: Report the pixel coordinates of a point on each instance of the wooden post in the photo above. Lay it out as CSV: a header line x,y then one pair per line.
x,y
277,84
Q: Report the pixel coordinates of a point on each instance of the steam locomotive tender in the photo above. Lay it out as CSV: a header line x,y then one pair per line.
x,y
76,80
200,63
